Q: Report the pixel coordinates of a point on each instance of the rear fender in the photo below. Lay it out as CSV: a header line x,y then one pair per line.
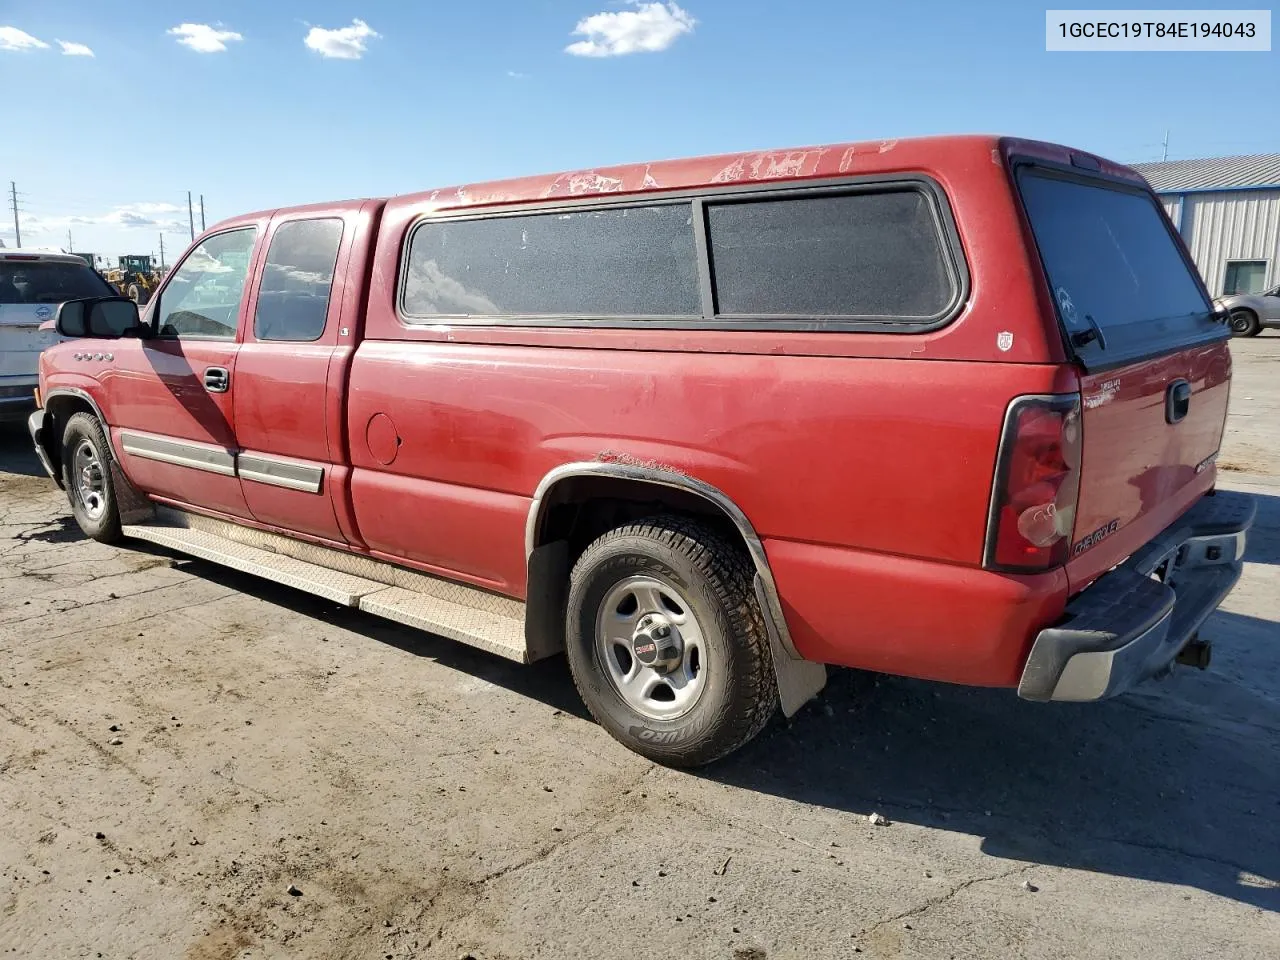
x,y
799,680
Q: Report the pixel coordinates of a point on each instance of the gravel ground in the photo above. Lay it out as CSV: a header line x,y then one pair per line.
x,y
198,764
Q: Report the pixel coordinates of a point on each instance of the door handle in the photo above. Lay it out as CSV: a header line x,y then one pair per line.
x,y
1177,401
217,379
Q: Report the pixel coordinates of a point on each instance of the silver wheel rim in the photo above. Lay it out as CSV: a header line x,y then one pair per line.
x,y
1239,322
87,480
635,613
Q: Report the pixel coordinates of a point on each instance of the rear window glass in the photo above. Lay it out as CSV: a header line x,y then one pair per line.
x,y
1121,284
48,281
620,262
856,255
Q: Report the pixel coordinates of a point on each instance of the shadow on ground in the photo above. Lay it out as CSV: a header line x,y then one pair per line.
x,y
1178,783
16,453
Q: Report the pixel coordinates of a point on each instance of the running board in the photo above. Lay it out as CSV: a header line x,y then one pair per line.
x,y
443,607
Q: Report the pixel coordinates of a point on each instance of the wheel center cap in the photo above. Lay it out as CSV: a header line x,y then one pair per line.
x,y
656,642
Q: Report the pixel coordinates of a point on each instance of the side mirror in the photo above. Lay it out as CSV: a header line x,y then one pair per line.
x,y
104,317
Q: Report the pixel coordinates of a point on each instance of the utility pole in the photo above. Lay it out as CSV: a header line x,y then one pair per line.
x,y
70,246
161,251
1165,155
191,220
17,230
202,213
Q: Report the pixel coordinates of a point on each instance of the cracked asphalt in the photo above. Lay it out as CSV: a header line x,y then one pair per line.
x,y
426,800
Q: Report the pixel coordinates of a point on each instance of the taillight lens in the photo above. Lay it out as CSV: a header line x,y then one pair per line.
x,y
1037,483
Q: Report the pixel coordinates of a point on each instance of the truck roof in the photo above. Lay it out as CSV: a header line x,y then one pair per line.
x,y
867,157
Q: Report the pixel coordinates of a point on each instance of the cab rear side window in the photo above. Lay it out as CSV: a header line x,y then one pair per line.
x,y
293,299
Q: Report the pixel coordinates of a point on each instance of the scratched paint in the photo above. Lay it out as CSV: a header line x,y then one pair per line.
x,y
732,173
625,459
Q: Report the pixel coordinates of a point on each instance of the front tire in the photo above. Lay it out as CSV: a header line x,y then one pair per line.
x,y
1244,323
667,644
86,474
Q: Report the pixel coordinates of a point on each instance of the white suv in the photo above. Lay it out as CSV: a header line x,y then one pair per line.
x,y
32,284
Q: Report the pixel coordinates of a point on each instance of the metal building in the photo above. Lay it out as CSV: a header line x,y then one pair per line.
x,y
1228,212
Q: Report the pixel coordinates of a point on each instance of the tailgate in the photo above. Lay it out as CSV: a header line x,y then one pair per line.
x,y
21,340
1156,364
1139,471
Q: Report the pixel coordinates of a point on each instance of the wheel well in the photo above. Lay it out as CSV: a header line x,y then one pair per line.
x,y
57,411
1245,310
576,511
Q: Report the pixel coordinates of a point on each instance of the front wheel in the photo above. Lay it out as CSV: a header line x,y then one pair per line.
x,y
1244,323
666,642
86,472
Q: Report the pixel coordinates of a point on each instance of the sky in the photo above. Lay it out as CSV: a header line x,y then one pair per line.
x,y
115,111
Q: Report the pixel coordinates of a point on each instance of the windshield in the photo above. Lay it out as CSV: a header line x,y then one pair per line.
x,y
1120,283
48,281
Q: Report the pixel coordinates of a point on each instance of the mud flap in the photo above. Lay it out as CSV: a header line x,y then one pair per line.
x,y
799,681
134,506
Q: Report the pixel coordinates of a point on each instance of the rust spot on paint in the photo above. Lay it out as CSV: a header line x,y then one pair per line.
x,y
627,460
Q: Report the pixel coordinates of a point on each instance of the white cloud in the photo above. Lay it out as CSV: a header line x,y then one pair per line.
x,y
11,38
202,37
341,43
648,28
74,49
132,215
517,75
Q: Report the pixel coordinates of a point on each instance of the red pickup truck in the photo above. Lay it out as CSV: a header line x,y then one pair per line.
x,y
946,408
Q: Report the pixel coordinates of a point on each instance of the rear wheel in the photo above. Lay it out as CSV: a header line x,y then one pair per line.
x,y
86,473
1244,323
134,293
666,642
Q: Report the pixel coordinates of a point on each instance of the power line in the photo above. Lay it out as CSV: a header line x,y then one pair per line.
x,y
13,202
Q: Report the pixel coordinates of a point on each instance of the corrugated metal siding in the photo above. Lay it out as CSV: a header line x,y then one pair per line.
x,y
1231,226
1262,169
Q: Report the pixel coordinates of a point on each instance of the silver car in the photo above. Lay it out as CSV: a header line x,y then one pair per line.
x,y
32,284
1251,312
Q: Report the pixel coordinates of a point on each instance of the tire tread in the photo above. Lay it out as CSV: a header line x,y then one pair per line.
x,y
730,575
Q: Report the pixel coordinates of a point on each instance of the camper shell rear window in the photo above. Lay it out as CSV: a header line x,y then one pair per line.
x,y
1121,284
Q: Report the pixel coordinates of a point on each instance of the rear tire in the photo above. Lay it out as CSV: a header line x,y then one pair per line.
x,y
712,688
134,293
1244,323
86,474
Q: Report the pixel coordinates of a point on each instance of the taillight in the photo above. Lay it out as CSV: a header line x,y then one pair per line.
x,y
1037,482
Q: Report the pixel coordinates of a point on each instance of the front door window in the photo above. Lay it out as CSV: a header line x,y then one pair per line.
x,y
202,299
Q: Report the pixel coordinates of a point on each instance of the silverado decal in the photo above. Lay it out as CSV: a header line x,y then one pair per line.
x,y
1207,462
1095,538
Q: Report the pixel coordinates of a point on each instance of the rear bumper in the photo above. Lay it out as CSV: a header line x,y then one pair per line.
x,y
1131,623
35,426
